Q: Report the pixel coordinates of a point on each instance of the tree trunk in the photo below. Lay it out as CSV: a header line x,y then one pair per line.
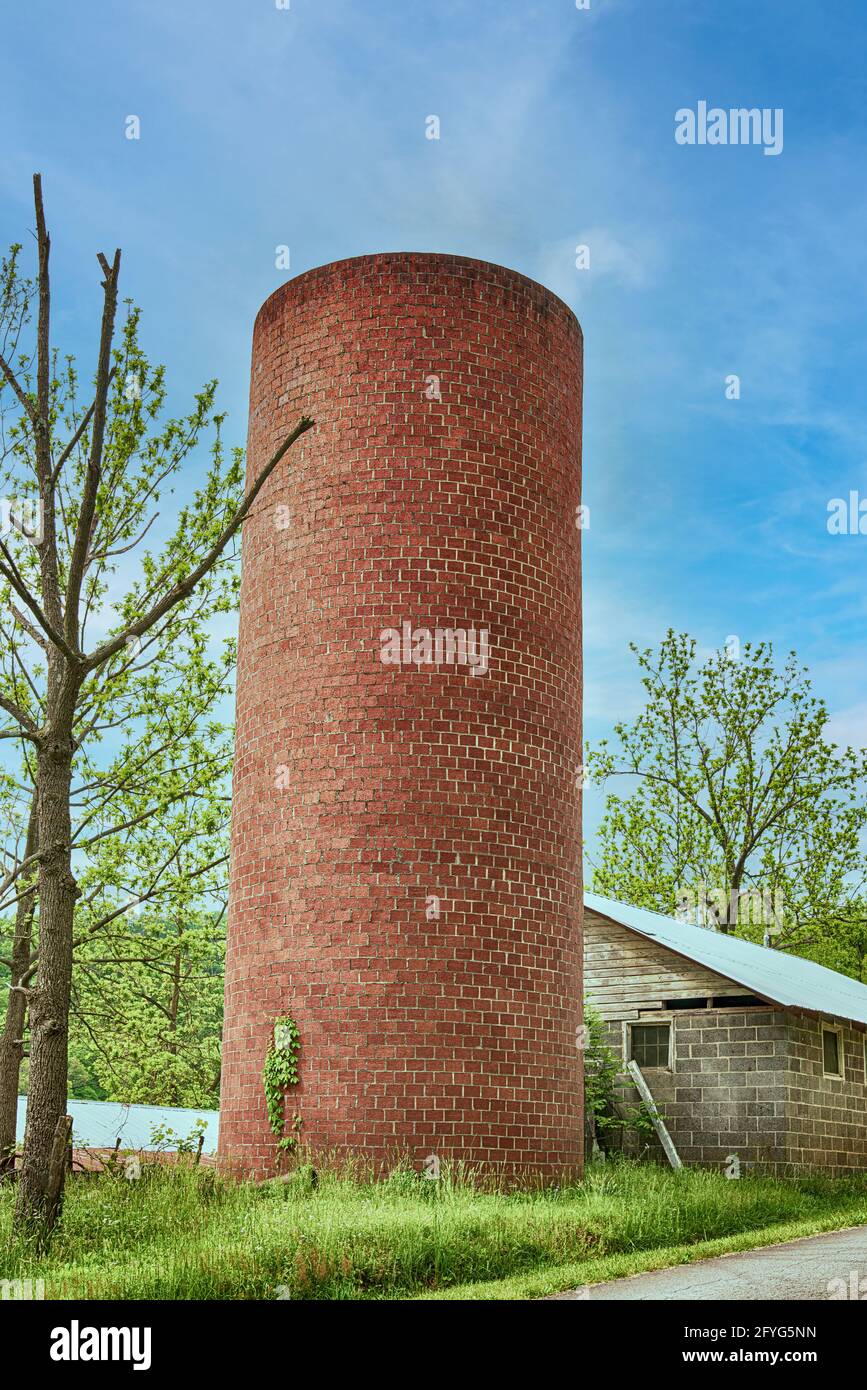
x,y
58,1163
12,1037
37,1207
11,1055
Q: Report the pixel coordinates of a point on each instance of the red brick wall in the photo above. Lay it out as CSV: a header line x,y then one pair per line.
x,y
363,790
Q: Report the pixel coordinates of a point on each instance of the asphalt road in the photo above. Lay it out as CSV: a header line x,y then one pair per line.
x,y
816,1268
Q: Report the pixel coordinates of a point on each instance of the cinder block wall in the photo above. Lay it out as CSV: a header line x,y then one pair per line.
x,y
405,873
750,1082
728,1092
827,1114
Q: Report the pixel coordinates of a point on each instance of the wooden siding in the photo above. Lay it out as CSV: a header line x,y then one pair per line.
x,y
624,973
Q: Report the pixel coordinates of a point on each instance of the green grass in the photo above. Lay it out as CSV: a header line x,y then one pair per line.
x,y
190,1234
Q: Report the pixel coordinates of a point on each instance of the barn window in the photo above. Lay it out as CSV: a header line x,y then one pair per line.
x,y
650,1044
832,1051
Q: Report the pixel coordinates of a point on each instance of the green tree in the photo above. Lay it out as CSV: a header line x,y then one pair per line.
x,y
81,481
84,1083
149,926
735,796
150,1001
147,811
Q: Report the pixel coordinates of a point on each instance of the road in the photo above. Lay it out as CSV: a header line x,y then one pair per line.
x,y
815,1268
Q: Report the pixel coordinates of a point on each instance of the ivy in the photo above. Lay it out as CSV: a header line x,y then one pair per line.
x,y
281,1072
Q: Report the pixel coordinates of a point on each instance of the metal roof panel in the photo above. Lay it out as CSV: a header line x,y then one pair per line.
x,y
795,983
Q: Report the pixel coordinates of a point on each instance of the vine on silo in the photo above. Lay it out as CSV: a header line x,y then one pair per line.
x,y
281,1072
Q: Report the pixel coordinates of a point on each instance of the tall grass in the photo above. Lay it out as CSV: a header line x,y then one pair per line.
x,y
181,1233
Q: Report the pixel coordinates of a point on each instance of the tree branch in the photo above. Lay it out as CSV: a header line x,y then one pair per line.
x,y
47,544
43,350
186,586
11,574
23,398
28,627
81,545
88,415
23,718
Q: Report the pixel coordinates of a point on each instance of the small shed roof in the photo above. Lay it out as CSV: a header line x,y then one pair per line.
x,y
787,980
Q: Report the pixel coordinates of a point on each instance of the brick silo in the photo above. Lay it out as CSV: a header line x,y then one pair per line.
x,y
405,869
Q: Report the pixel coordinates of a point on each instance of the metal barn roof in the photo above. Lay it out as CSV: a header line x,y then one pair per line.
x,y
97,1124
796,984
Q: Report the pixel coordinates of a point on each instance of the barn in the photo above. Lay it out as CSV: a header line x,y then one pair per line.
x,y
755,1059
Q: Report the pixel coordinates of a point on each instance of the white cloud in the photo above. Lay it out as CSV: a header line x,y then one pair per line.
x,y
848,727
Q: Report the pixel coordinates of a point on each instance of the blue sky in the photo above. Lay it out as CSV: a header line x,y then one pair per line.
x,y
262,127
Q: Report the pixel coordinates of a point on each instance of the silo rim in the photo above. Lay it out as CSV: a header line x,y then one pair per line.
x,y
444,257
